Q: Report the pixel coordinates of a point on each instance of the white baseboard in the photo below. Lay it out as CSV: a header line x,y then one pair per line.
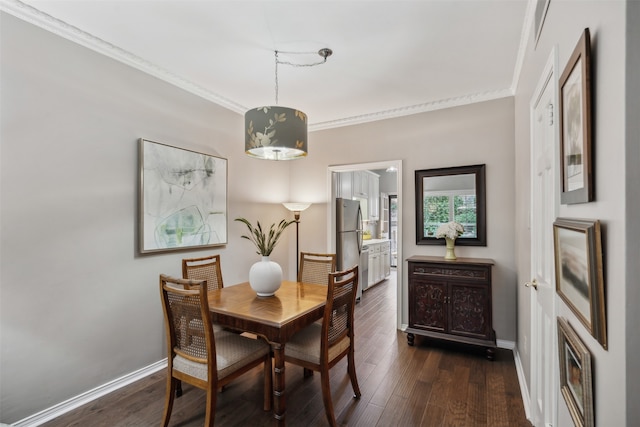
x,y
524,389
507,345
88,396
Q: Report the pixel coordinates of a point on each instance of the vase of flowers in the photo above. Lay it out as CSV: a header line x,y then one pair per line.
x,y
265,276
450,231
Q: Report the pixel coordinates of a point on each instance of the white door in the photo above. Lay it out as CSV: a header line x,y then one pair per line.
x,y
544,206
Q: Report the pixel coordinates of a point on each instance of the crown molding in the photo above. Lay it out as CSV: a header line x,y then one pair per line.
x,y
83,38
74,34
413,109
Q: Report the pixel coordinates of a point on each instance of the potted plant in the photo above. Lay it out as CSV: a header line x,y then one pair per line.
x,y
265,276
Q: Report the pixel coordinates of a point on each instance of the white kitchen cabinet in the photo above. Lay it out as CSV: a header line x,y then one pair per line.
x,y
360,183
374,197
379,261
385,257
383,221
374,264
343,185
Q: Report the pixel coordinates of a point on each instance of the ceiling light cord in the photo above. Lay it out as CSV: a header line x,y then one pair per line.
x,y
324,53
277,77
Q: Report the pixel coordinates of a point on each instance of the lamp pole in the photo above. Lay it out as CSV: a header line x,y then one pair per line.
x,y
296,208
296,215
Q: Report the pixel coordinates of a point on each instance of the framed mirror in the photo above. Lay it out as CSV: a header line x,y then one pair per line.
x,y
451,194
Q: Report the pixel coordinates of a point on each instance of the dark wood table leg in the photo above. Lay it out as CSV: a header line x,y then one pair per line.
x,y
279,403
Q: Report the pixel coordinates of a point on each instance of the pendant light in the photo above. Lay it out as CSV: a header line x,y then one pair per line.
x,y
275,132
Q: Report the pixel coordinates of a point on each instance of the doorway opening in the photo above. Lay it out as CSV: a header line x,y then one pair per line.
x,y
390,184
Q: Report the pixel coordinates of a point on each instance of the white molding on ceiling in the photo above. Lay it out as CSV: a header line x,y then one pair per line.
x,y
83,38
414,109
74,34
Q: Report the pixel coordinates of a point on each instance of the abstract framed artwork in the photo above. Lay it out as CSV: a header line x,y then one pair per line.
x,y
576,381
579,272
182,199
576,170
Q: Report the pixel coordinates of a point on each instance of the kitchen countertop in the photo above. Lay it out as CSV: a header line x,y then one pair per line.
x,y
374,241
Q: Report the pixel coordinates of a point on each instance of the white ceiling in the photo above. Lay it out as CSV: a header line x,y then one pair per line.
x,y
390,58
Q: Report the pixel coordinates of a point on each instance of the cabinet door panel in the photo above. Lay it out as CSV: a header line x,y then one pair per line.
x,y
344,185
374,197
470,306
429,310
386,263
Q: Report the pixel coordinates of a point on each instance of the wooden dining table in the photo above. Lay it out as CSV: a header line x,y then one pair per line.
x,y
294,306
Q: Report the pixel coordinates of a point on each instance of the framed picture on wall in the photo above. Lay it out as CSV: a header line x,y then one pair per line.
x,y
182,199
576,171
576,383
579,275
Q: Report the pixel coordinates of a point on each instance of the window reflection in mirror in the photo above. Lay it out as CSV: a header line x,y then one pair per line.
x,y
449,198
451,194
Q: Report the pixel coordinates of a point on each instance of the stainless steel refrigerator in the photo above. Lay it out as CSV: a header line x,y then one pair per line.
x,y
349,236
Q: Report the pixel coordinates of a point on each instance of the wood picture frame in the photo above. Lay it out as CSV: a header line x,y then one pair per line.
x,y
182,199
576,169
579,272
576,381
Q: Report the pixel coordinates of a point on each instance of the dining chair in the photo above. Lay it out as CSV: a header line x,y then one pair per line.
x,y
315,267
319,347
204,268
209,361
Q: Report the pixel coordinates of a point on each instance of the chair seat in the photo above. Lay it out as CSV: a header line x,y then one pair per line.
x,y
233,351
305,345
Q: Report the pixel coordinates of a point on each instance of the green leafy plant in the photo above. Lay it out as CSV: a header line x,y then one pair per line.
x,y
263,241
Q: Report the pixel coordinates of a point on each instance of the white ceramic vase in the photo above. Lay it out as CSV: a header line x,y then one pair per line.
x,y
265,277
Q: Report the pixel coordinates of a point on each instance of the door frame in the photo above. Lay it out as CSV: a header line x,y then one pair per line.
x,y
331,208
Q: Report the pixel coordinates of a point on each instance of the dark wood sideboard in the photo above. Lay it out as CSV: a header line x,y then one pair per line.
x,y
451,300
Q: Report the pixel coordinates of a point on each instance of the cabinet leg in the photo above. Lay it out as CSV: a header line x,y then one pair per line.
x,y
410,338
491,353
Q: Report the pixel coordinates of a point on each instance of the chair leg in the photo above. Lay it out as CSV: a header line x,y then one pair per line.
x,y
268,383
168,399
178,388
351,368
210,405
326,397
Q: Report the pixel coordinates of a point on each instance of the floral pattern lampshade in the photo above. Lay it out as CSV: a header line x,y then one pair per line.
x,y
275,133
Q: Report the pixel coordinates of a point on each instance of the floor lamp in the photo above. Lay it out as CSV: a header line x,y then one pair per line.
x,y
296,208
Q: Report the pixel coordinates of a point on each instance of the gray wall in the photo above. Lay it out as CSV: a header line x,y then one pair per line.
x,y
632,200
563,27
479,133
78,306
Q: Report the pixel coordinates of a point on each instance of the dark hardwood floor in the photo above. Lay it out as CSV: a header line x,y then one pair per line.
x,y
430,384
